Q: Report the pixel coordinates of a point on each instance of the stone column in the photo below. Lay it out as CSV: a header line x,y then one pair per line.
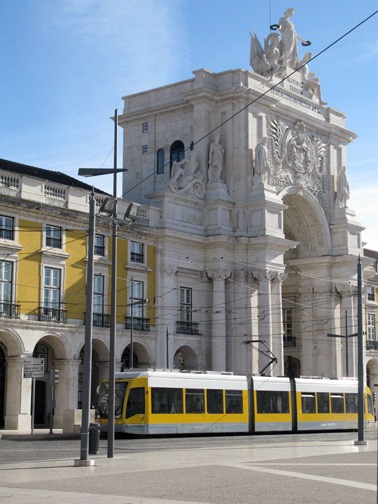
x,y
277,324
167,318
18,397
66,391
265,318
242,314
348,317
253,305
219,320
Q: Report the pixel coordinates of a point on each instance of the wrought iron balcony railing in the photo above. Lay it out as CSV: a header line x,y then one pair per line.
x,y
371,345
9,310
101,320
290,341
184,327
47,314
138,323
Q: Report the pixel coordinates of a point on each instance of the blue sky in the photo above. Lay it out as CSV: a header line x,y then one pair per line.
x,y
67,63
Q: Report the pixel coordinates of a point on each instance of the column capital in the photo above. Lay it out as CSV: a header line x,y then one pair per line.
x,y
264,275
169,270
241,276
280,277
345,289
218,274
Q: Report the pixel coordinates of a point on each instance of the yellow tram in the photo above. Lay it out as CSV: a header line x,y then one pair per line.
x,y
153,402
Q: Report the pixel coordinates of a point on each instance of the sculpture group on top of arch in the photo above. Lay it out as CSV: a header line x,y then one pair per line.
x,y
278,57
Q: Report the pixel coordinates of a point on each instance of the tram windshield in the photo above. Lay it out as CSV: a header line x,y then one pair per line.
x,y
103,399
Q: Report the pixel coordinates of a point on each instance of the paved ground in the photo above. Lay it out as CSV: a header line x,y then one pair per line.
x,y
301,469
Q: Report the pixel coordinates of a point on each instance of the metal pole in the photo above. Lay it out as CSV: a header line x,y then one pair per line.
x,y
346,344
167,336
88,334
360,356
33,405
52,405
113,307
132,324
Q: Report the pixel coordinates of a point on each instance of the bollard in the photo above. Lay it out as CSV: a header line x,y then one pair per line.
x,y
94,438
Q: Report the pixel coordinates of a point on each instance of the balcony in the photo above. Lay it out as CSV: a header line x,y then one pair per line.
x,y
47,314
138,323
371,345
289,341
184,327
101,320
10,310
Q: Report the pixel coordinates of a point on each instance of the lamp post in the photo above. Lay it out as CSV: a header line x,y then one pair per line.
x,y
87,378
92,172
360,371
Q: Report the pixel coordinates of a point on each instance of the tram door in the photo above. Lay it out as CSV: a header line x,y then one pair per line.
x,y
2,387
40,403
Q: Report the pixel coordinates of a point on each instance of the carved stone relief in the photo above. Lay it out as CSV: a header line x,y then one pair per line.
x,y
292,157
187,178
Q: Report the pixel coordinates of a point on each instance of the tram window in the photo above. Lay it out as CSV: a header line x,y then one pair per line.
x,y
120,389
234,401
308,403
103,398
337,403
102,402
135,402
194,401
272,401
215,401
323,402
167,400
351,403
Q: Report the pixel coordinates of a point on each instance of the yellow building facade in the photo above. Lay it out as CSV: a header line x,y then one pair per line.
x,y
44,220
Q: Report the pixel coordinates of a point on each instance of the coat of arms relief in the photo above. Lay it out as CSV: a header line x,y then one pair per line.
x,y
290,156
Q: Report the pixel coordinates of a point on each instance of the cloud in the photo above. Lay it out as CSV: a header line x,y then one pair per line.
x,y
364,198
142,43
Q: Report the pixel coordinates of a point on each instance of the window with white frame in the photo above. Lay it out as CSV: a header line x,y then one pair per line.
x,y
136,252
53,236
136,303
186,307
6,286
99,245
51,288
371,327
98,299
370,292
6,227
287,322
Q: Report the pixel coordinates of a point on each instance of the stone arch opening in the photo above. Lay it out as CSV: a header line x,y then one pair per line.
x,y
185,358
305,223
141,357
176,153
2,385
